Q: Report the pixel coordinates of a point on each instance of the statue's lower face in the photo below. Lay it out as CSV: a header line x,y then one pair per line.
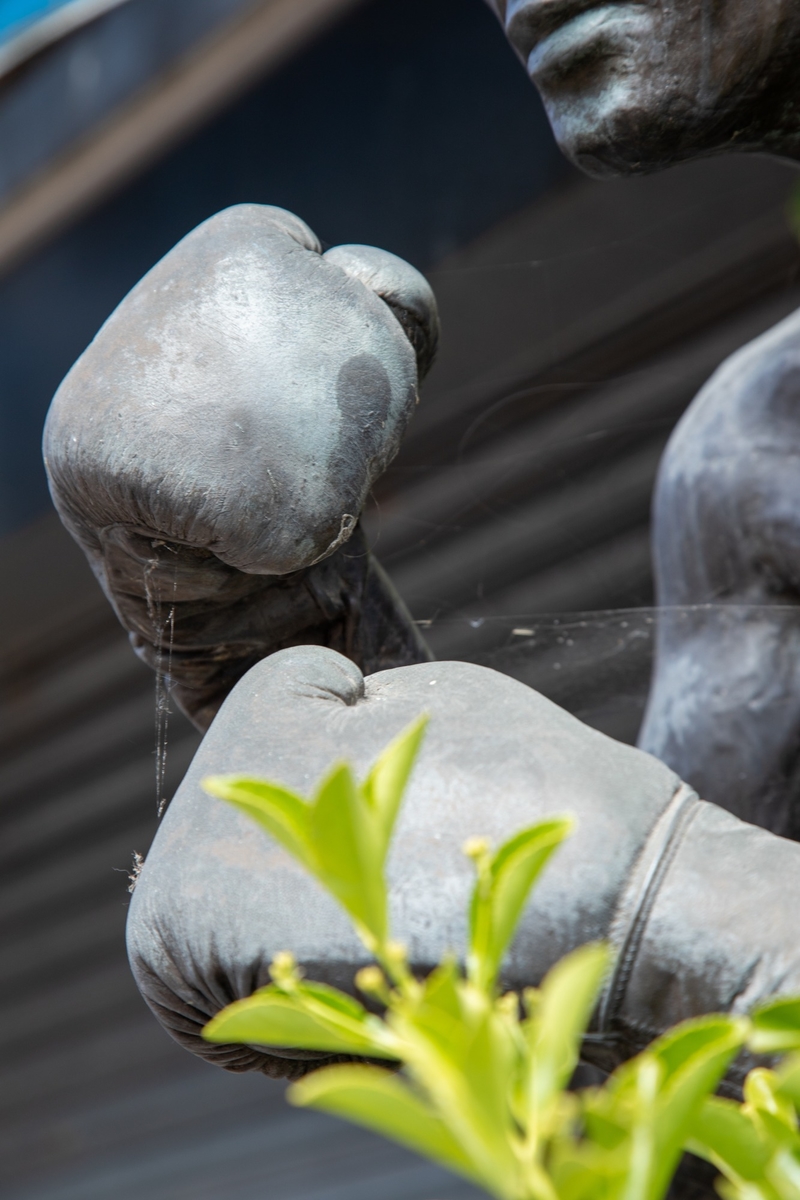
x,y
632,87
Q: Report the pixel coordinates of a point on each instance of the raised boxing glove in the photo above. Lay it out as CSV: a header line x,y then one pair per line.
x,y
213,447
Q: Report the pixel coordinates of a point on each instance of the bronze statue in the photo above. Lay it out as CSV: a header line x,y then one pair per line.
x,y
211,451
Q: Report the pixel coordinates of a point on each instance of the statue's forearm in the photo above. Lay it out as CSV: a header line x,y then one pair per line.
x,y
724,707
203,624
716,933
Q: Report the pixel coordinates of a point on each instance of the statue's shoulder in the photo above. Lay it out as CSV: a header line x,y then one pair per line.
x,y
757,389
750,403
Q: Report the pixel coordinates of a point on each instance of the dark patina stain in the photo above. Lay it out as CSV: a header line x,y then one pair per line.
x,y
364,397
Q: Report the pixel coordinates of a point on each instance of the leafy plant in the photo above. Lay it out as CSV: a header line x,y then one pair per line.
x,y
483,1084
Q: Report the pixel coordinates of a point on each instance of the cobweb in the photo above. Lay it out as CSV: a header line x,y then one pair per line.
x,y
596,665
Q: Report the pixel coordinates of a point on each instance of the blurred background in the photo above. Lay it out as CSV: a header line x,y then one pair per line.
x,y
579,320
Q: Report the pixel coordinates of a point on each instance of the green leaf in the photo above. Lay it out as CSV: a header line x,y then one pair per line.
x,y
343,835
565,1003
776,1026
329,998
700,1047
384,786
581,1171
642,1181
501,892
441,991
607,1129
489,1070
620,1150
783,1174
458,1049
695,1056
725,1136
308,1020
774,1112
379,1101
284,815
789,1079
438,1014
652,1100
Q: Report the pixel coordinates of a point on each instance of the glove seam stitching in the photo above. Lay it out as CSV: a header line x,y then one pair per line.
x,y
660,847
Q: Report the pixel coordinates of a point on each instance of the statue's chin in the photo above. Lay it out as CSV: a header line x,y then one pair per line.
x,y
622,112
626,128
597,79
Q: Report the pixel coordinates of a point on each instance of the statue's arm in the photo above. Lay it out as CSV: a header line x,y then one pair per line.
x,y
724,708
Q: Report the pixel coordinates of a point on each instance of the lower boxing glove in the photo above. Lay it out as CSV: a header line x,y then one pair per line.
x,y
698,905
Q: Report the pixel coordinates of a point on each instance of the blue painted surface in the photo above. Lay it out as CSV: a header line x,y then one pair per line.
x,y
15,14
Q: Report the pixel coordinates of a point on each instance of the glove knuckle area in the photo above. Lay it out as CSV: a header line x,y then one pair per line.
x,y
404,289
243,397
297,674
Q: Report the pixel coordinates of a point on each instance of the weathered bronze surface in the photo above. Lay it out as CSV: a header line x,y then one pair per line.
x,y
636,85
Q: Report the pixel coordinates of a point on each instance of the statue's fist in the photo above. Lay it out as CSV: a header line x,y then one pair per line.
x,y
230,417
244,396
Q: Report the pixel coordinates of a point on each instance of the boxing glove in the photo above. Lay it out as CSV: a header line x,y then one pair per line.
x,y
213,447
699,906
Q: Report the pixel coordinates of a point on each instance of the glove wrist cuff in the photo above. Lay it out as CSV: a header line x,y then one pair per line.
x,y
638,898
